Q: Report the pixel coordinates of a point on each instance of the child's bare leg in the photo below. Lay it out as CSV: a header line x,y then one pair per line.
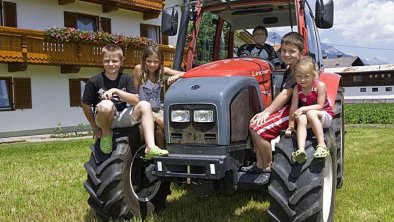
x,y
314,117
143,111
105,116
301,131
159,132
263,151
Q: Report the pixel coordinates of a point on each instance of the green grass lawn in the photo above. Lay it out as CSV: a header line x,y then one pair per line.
x,y
43,182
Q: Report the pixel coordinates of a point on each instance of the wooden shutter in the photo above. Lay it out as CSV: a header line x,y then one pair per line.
x,y
22,93
75,92
143,30
70,19
105,24
9,14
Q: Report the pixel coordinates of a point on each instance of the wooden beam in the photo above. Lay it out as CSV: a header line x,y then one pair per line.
x,y
17,66
65,2
150,15
110,7
64,69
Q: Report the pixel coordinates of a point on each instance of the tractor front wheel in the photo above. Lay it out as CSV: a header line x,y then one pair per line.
x,y
121,185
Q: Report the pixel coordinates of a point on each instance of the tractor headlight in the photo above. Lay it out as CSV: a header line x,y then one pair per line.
x,y
203,116
180,116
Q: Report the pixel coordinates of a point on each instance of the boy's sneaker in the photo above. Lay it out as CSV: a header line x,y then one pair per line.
x,y
252,169
263,178
106,144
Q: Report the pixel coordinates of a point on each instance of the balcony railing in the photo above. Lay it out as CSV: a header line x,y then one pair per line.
x,y
150,8
21,47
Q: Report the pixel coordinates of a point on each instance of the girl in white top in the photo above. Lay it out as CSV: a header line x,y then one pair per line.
x,y
148,79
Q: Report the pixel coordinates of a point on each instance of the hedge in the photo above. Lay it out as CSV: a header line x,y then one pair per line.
x,y
371,113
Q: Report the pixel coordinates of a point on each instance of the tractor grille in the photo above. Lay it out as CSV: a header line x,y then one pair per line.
x,y
193,132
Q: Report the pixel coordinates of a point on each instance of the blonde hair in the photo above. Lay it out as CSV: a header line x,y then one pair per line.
x,y
112,49
148,51
307,63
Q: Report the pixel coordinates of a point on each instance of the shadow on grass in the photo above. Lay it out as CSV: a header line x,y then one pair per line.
x,y
184,205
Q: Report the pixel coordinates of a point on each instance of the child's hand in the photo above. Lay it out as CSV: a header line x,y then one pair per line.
x,y
108,94
259,119
96,134
289,131
298,113
173,78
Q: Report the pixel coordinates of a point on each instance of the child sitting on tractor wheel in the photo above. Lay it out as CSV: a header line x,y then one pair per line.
x,y
110,101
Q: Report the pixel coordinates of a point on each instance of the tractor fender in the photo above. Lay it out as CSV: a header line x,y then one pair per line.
x,y
333,81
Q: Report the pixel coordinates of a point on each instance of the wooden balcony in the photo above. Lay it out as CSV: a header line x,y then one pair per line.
x,y
150,8
20,48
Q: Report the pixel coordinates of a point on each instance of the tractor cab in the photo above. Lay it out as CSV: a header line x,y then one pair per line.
x,y
217,30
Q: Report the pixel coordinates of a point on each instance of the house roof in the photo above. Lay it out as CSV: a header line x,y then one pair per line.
x,y
352,69
343,62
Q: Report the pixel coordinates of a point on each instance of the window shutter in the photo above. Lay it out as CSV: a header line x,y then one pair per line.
x,y
70,19
105,24
143,30
75,92
10,14
22,93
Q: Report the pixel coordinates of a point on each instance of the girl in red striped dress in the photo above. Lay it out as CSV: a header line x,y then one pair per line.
x,y
315,109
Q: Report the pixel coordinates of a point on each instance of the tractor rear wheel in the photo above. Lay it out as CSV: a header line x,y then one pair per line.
x,y
303,192
121,185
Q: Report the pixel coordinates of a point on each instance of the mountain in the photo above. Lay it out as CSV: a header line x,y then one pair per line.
x,y
375,61
329,51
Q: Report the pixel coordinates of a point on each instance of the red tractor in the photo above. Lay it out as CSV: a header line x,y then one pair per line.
x,y
207,113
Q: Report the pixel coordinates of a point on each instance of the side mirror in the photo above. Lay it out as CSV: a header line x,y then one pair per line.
x,y
169,21
324,12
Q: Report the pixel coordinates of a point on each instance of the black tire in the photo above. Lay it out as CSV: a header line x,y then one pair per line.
x,y
112,183
303,192
338,126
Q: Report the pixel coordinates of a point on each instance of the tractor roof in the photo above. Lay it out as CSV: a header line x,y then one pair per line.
x,y
247,14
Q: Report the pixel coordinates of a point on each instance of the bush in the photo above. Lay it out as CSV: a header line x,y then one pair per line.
x,y
370,113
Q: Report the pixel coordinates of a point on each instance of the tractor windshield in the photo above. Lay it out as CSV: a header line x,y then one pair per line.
x,y
221,27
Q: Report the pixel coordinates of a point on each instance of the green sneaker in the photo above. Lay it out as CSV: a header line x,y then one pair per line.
x,y
321,152
106,144
298,156
155,151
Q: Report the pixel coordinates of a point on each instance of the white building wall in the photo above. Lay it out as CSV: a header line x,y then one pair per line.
x,y
353,94
50,100
50,88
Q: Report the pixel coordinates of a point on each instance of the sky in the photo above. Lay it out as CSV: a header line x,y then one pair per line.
x,y
363,28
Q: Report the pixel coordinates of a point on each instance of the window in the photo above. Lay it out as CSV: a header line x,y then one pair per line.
x,y
382,75
5,93
376,75
76,87
153,32
8,14
357,78
375,90
389,89
389,75
87,22
15,93
370,76
224,41
363,90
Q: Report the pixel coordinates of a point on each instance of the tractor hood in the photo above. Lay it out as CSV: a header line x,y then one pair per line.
x,y
251,67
